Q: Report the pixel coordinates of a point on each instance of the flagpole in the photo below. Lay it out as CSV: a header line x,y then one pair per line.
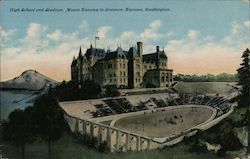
x,y
96,38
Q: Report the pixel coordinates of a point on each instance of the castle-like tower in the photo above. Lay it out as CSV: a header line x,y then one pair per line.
x,y
124,69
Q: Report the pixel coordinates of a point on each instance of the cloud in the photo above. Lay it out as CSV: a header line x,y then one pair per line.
x,y
203,54
36,30
84,25
35,37
245,1
155,24
51,51
237,37
169,34
235,27
193,34
55,36
203,59
247,24
151,33
102,31
6,35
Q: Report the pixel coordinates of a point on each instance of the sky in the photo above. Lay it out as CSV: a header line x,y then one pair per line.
x,y
198,36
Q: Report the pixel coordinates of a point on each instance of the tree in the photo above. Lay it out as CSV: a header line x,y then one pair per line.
x,y
48,118
19,128
112,91
73,90
244,82
90,89
244,79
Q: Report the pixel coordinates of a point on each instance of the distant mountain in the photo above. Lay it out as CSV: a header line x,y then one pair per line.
x,y
30,80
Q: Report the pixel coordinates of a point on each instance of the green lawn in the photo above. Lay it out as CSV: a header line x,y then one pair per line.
x,y
69,148
203,87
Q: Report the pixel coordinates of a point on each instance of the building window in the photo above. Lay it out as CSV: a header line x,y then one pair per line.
x,y
110,80
124,80
121,65
110,75
120,73
124,65
114,75
124,74
137,66
137,74
162,79
115,79
121,80
145,67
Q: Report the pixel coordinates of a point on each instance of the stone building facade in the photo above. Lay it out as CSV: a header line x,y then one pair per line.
x,y
124,69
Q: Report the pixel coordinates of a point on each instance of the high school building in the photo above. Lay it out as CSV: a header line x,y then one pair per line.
x,y
124,69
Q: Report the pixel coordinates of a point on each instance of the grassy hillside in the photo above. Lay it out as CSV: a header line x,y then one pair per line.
x,y
203,87
69,148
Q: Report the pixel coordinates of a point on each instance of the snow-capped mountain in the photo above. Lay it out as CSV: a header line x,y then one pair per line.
x,y
31,80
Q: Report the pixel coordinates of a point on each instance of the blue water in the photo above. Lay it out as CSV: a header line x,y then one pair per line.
x,y
11,100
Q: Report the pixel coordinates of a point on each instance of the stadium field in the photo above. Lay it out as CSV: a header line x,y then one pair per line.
x,y
165,123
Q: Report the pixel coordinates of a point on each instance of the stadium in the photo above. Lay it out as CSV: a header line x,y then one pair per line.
x,y
147,121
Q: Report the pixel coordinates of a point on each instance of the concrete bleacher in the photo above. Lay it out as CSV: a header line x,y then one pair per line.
x,y
125,104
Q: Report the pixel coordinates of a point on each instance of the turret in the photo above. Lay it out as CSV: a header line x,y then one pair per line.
x,y
80,52
73,64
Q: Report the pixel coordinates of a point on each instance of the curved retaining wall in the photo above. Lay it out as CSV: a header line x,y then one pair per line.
x,y
121,140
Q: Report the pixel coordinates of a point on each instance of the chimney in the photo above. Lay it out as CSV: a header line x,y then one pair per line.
x,y
157,56
139,48
157,49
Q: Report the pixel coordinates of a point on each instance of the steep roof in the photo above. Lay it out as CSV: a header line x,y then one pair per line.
x,y
132,52
74,62
153,56
96,52
119,53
